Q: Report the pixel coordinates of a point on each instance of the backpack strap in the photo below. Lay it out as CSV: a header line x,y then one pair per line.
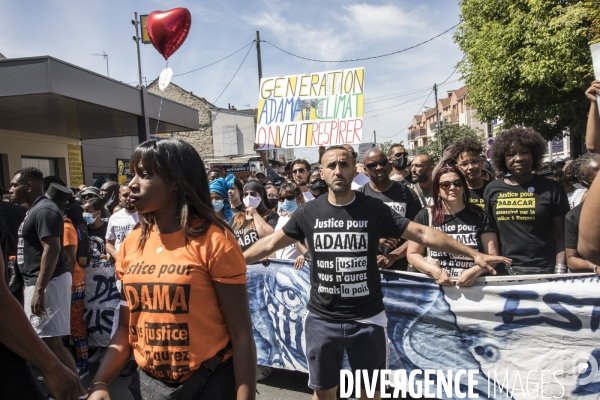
x,y
212,363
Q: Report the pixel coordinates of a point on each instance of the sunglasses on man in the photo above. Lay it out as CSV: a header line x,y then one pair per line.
x,y
298,171
372,165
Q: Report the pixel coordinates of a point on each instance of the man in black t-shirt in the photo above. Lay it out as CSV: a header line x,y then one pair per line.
x,y
346,310
40,258
467,155
395,195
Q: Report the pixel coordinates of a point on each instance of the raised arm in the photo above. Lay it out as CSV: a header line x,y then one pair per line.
x,y
267,245
438,240
592,134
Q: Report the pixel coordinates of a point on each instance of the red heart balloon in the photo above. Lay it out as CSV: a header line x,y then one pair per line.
x,y
168,29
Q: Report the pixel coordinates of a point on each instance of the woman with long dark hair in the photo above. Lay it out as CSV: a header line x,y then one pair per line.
x,y
257,221
184,310
453,213
529,210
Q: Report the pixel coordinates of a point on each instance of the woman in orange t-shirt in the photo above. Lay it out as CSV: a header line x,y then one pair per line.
x,y
184,298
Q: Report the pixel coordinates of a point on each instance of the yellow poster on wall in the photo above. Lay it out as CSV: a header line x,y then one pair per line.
x,y
75,164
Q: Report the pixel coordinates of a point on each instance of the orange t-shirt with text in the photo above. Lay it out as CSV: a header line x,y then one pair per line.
x,y
175,318
70,238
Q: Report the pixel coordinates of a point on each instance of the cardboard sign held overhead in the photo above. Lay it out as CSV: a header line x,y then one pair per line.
x,y
318,109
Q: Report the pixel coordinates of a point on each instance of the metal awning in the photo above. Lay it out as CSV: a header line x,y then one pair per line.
x,y
49,96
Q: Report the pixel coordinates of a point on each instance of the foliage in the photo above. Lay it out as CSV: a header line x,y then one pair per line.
x,y
449,133
528,61
385,146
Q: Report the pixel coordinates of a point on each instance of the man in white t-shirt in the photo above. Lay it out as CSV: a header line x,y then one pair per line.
x,y
120,224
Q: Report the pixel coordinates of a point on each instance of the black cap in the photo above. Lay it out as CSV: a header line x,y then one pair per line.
x,y
278,181
91,190
60,195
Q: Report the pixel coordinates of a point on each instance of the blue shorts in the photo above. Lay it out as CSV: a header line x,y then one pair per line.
x,y
326,340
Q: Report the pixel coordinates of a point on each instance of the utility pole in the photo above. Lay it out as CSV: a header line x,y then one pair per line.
x,y
143,122
258,56
374,137
437,114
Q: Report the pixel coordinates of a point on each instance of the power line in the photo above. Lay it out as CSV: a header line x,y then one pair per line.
x,y
396,105
248,52
425,102
410,122
198,69
392,111
208,65
402,94
366,58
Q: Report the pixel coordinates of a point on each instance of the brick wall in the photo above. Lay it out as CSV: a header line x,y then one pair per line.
x,y
202,139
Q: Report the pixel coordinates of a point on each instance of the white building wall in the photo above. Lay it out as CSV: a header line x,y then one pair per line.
x,y
14,145
246,130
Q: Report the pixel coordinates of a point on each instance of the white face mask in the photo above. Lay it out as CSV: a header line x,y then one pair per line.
x,y
251,201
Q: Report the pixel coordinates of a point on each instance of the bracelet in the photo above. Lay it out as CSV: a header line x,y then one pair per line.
x,y
438,277
98,383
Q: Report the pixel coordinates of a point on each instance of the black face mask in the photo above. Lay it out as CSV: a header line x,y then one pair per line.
x,y
400,163
318,186
272,203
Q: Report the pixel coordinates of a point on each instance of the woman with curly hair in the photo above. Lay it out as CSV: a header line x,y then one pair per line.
x,y
529,210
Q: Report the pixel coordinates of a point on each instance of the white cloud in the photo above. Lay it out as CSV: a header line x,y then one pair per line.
x,y
376,22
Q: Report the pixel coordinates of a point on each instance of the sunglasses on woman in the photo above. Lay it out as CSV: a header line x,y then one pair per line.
x,y
251,193
374,164
446,184
291,197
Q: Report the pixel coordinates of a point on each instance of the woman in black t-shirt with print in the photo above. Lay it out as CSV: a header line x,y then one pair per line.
x,y
453,214
256,221
529,210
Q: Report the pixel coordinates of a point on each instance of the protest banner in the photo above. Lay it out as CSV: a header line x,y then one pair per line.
x,y
318,109
527,336
101,296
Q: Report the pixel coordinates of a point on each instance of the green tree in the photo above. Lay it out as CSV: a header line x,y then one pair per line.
x,y
528,61
385,146
449,133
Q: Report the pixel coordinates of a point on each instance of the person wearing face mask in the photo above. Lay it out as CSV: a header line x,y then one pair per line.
x,y
272,200
257,221
290,197
399,159
219,194
316,184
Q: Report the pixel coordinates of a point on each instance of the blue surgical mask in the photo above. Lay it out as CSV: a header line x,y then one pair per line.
x,y
289,206
218,205
89,218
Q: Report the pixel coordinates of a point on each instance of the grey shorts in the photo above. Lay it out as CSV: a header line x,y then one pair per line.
x,y
326,340
57,319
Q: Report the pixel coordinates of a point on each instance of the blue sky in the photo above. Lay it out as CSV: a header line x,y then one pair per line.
x,y
327,29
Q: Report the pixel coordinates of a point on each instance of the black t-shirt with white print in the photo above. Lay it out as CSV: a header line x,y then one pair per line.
x,y
466,227
572,227
342,242
477,198
403,201
246,234
524,217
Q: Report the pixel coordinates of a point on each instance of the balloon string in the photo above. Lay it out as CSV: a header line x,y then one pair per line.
x,y
160,105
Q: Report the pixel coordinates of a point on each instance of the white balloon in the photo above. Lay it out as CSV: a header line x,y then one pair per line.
x,y
165,78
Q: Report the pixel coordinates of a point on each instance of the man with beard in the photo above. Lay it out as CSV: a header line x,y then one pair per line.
x,y
422,177
467,155
346,312
109,193
299,169
399,159
398,197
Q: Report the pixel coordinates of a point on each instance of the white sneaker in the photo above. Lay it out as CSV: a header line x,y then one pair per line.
x,y
263,372
98,356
